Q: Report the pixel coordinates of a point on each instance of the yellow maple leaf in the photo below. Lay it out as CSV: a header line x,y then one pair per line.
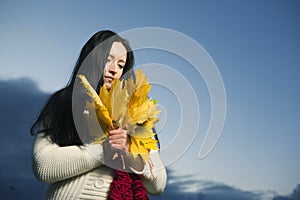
x,y
119,103
127,107
153,112
141,79
144,130
102,112
142,146
105,98
130,86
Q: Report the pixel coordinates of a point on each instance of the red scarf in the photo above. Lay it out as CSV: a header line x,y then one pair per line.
x,y
127,186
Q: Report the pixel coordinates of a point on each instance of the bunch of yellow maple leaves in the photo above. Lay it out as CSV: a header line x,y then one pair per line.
x,y
126,106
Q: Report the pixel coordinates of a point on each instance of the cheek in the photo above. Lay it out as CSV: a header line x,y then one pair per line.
x,y
120,72
105,70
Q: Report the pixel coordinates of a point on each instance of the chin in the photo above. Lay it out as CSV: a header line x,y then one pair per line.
x,y
108,86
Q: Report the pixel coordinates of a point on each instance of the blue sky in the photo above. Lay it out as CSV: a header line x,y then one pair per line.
x,y
255,45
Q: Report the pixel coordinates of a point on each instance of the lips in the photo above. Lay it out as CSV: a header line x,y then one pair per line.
x,y
109,78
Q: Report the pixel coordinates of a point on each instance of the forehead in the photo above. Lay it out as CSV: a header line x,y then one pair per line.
x,y
118,50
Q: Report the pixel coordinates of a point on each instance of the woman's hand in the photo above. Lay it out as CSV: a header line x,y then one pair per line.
x,y
118,139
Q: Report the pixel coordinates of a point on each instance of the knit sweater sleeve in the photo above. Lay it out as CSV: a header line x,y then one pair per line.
x,y
52,163
154,179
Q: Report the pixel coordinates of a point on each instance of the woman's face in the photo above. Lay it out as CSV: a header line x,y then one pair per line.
x,y
115,63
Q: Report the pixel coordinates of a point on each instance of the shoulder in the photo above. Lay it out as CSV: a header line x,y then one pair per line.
x,y
42,141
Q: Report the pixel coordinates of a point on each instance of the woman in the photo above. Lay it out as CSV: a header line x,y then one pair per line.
x,y
62,154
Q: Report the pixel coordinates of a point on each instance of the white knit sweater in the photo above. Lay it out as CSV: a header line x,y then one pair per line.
x,y
74,173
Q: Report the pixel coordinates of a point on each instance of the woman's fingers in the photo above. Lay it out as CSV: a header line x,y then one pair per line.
x,y
118,133
119,139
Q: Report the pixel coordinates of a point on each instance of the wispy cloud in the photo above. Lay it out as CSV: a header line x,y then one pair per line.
x,y
193,188
294,196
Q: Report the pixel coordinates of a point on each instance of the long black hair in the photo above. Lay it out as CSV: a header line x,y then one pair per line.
x,y
56,117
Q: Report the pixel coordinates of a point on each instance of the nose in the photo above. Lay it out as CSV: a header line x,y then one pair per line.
x,y
113,68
